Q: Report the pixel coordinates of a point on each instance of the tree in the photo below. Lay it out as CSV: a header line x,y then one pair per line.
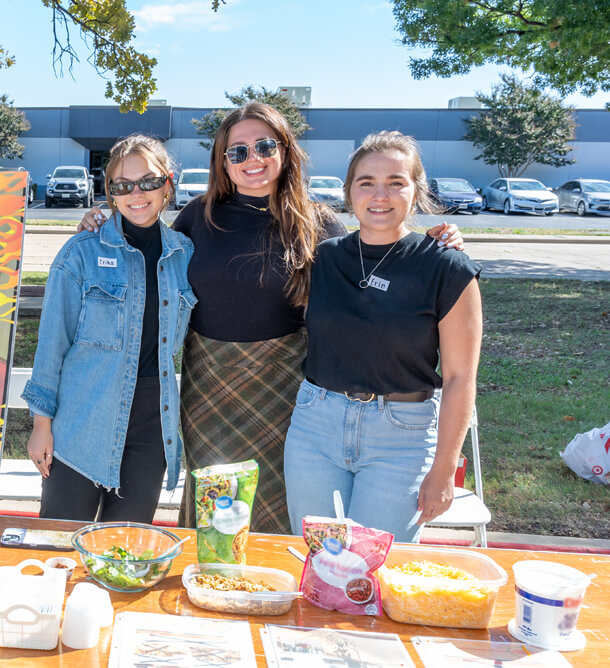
x,y
12,124
521,126
564,42
209,124
106,27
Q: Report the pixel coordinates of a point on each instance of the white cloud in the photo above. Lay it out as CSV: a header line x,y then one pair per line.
x,y
183,14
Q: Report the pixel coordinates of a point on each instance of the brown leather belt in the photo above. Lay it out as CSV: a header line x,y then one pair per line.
x,y
366,397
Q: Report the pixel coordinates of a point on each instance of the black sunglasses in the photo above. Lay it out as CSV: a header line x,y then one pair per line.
x,y
264,148
146,185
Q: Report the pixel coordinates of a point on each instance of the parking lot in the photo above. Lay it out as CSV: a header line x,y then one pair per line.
x,y
487,219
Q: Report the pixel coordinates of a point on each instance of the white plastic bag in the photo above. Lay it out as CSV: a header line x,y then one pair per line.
x,y
588,455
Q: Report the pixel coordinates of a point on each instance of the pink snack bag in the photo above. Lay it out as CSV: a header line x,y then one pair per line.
x,y
343,556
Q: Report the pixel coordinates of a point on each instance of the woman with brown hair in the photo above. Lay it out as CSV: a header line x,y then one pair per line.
x,y
255,234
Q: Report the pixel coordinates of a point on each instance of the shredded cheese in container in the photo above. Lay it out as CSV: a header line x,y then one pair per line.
x,y
422,592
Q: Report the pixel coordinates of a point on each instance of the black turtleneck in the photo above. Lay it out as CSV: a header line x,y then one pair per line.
x,y
148,241
225,271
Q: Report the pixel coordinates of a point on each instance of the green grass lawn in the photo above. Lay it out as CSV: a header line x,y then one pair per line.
x,y
544,377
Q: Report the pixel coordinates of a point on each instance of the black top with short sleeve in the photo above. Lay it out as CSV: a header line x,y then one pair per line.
x,y
375,340
225,271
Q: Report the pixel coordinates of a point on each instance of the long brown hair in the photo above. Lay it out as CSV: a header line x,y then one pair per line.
x,y
299,221
386,142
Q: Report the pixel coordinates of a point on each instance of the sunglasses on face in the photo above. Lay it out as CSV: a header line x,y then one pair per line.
x,y
145,185
264,148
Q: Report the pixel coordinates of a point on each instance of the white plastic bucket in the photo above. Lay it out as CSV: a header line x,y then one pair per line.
x,y
548,597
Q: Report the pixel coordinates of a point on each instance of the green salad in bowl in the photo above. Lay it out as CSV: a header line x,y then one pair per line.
x,y
126,556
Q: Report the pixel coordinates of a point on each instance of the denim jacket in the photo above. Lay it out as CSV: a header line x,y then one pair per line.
x,y
86,363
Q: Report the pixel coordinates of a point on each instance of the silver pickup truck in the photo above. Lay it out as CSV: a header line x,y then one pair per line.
x,y
69,184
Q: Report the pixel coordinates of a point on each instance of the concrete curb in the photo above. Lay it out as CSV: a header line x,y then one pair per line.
x,y
536,239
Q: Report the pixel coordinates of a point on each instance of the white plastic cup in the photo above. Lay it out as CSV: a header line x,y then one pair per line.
x,y
81,627
101,598
548,597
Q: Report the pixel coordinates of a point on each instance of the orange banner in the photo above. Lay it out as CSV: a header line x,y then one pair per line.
x,y
13,186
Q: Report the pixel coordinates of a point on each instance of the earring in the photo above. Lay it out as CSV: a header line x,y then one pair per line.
x,y
166,197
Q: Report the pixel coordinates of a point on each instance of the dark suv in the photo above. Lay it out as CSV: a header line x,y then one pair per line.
x,y
69,184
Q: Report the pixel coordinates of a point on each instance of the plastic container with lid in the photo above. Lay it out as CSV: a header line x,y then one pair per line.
x,y
548,597
431,596
242,602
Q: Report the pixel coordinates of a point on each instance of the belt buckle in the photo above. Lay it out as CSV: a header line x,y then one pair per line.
x,y
362,401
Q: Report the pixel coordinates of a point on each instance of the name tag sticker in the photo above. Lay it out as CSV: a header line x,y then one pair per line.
x,y
106,262
379,283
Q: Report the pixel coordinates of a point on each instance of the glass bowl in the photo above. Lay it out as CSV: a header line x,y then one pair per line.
x,y
122,556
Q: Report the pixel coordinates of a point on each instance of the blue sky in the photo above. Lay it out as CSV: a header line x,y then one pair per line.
x,y
346,50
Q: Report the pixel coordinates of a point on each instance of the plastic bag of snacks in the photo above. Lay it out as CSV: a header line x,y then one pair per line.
x,y
224,495
340,566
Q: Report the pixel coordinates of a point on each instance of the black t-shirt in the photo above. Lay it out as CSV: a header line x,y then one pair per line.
x,y
225,271
148,241
371,340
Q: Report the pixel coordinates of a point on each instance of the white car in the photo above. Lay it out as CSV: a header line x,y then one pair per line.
x,y
328,190
191,182
517,195
71,183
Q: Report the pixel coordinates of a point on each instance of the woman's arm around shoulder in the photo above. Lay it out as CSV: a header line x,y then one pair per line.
x,y
460,333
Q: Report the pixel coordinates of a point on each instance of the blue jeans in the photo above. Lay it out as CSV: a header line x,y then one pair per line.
x,y
376,454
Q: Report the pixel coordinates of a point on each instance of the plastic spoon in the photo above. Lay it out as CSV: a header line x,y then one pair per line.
x,y
339,510
172,548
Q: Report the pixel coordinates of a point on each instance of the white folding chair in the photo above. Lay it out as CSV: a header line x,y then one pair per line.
x,y
468,508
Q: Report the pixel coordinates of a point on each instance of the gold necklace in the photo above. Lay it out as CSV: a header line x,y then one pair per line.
x,y
264,209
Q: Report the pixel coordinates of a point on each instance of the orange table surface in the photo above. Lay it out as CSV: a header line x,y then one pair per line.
x,y
170,597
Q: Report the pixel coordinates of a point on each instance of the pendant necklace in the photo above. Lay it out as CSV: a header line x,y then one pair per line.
x,y
264,209
364,283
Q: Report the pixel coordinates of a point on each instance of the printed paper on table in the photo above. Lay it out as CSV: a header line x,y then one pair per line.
x,y
142,639
296,647
464,653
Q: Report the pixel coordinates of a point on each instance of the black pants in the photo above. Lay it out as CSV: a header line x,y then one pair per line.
x,y
69,495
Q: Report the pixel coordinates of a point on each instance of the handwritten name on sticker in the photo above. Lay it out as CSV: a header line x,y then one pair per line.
x,y
106,262
379,283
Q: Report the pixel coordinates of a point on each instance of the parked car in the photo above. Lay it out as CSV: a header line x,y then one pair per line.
x,y
515,195
190,183
69,184
456,195
584,196
328,190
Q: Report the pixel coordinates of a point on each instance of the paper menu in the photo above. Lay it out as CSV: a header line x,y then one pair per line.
x,y
296,647
463,653
143,639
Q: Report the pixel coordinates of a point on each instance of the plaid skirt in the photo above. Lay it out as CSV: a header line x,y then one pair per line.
x,y
236,403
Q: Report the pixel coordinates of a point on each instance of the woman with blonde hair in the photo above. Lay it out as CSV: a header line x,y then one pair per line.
x,y
116,309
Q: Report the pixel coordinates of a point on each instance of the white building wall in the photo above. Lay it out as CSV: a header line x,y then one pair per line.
x,y
188,154
43,154
328,157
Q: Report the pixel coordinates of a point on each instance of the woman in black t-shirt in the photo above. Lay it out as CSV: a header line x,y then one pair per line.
x,y
383,303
